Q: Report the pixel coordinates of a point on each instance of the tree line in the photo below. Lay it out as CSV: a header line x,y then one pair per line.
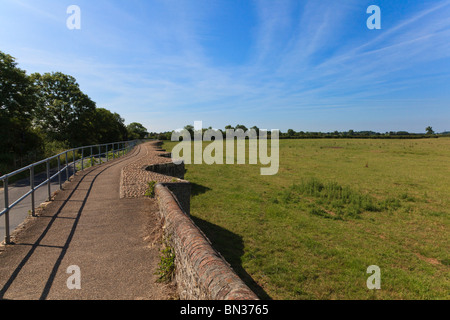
x,y
43,114
292,134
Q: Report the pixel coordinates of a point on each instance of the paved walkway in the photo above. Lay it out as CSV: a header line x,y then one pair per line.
x,y
111,240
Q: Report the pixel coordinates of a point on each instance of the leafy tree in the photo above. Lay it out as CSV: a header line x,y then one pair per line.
x,y
108,127
17,104
291,132
136,131
429,130
241,126
64,111
190,128
256,129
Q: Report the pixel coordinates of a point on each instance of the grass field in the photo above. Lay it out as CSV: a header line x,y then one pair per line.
x,y
335,208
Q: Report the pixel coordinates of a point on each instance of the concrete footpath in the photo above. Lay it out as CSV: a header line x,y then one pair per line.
x,y
90,232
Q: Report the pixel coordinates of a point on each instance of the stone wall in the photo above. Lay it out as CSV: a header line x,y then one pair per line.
x,y
169,169
182,194
201,272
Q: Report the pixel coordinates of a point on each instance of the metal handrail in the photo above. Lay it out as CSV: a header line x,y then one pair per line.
x,y
123,146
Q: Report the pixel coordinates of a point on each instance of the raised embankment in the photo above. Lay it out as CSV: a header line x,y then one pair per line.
x,y
200,271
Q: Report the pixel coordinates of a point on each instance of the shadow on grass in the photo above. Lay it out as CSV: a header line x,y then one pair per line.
x,y
197,189
231,247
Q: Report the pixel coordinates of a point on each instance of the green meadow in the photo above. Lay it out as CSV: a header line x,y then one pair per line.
x,y
335,208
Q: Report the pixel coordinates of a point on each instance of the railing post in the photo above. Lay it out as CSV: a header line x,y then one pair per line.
x,y
59,173
100,153
74,163
33,212
114,155
92,154
5,189
67,168
48,181
82,159
107,153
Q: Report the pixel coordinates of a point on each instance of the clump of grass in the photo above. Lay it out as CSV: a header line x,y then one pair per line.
x,y
446,262
340,200
113,155
150,192
316,211
405,196
166,267
390,204
88,163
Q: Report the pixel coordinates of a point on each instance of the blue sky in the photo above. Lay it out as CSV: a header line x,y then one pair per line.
x,y
280,64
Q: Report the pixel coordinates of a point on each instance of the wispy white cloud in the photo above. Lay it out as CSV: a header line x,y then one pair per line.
x,y
36,10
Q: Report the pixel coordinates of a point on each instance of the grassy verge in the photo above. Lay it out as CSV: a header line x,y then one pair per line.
x,y
335,208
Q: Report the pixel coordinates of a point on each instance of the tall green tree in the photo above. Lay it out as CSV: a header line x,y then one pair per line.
x,y
17,105
64,112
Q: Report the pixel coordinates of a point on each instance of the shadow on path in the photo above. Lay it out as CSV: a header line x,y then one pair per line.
x,y
97,171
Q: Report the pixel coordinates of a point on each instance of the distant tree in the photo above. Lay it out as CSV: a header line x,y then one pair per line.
x,y
229,127
429,130
190,128
242,127
256,129
136,131
107,127
291,132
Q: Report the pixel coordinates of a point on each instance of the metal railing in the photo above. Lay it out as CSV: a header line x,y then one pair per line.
x,y
86,158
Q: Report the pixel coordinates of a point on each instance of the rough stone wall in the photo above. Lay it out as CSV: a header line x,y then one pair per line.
x,y
182,194
201,273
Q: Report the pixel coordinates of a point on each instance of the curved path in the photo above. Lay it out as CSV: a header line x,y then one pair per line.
x,y
112,241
